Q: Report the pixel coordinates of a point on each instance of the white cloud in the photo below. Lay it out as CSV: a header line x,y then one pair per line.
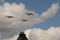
x,y
40,34
12,26
50,12
27,33
52,33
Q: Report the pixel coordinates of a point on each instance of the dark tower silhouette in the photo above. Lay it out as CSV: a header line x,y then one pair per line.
x,y
22,36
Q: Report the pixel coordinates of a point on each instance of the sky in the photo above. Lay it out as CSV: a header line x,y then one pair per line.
x,y
39,6
45,19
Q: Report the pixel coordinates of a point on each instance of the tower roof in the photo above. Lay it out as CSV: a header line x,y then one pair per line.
x,y
22,36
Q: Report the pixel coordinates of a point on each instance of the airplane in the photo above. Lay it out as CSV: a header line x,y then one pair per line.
x,y
29,14
24,20
10,16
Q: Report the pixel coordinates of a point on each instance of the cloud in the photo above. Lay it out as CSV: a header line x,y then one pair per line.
x,y
50,13
52,33
13,38
12,26
2,1
40,34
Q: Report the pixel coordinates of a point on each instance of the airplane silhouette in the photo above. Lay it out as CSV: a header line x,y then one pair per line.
x,y
24,20
29,14
10,16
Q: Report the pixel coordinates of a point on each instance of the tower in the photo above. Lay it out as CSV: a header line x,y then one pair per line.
x,y
22,36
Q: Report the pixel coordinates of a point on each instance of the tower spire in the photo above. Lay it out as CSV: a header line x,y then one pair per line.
x,y
22,36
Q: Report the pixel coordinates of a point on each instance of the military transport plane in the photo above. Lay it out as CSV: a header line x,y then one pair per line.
x,y
24,20
9,16
29,14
